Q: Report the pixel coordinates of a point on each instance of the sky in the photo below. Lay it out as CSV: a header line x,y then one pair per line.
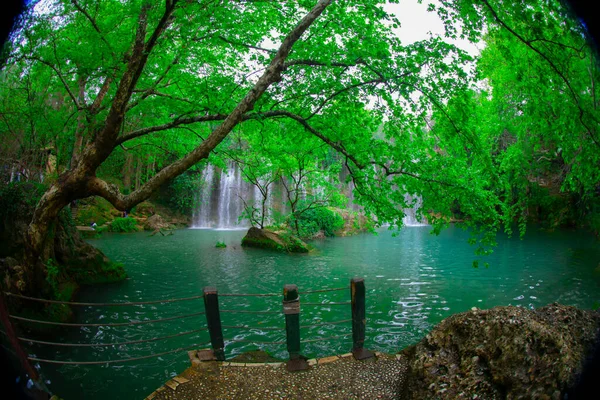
x,y
416,24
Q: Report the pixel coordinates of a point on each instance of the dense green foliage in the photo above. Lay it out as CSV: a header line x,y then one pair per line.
x,y
18,198
123,225
508,136
319,219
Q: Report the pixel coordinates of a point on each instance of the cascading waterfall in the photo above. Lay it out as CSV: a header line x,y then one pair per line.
x,y
221,200
410,214
221,205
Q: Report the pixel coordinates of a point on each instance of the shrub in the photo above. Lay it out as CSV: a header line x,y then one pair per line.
x,y
312,221
123,225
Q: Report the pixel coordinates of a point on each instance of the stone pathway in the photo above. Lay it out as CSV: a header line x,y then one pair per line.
x,y
336,377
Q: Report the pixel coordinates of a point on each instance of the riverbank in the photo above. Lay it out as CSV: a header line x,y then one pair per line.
x,y
335,377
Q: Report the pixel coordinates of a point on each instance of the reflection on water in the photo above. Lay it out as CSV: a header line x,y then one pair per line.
x,y
413,281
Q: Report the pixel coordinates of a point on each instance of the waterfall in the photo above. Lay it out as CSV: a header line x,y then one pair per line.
x,y
410,213
220,200
202,215
220,205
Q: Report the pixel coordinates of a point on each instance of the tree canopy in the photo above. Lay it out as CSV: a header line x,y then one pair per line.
x,y
181,83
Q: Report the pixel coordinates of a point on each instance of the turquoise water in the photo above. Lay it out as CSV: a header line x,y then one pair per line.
x,y
413,281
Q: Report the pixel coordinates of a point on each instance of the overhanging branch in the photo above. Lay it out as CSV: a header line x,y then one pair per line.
x,y
272,74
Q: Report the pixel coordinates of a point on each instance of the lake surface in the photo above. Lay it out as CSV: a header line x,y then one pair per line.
x,y
413,281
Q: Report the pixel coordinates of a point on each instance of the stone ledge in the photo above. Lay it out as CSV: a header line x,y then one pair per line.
x,y
196,359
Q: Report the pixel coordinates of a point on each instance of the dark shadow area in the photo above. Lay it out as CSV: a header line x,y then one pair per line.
x,y
587,385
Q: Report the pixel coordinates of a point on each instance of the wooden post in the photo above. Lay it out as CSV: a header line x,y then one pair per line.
x,y
213,320
359,319
14,341
291,310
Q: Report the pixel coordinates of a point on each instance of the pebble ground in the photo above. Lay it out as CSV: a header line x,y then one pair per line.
x,y
343,378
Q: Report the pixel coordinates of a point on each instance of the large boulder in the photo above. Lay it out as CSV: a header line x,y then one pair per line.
x,y
503,353
156,222
265,239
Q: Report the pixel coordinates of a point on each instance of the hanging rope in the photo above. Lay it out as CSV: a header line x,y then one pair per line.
x,y
253,341
326,323
323,290
111,344
252,327
250,312
37,321
327,338
116,361
75,303
249,294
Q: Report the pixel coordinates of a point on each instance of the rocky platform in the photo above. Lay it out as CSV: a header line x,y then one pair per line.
x,y
503,353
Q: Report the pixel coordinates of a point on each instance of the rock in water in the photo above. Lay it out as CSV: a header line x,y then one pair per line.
x,y
265,239
504,352
155,222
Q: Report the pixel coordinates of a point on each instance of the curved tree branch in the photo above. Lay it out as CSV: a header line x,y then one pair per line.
x,y
271,75
339,147
170,125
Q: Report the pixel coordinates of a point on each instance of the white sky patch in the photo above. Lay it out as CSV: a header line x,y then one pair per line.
x,y
419,24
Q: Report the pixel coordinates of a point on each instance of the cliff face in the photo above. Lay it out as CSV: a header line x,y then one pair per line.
x,y
504,352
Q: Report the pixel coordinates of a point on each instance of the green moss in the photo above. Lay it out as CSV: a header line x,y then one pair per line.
x,y
220,245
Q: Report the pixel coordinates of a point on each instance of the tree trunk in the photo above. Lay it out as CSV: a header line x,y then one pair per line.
x,y
127,171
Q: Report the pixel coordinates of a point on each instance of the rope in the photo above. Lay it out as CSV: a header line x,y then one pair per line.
x,y
322,290
252,327
343,303
327,338
115,361
249,294
108,324
250,312
253,341
110,344
9,350
326,323
74,303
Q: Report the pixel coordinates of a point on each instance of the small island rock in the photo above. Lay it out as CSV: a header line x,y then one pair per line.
x,y
266,239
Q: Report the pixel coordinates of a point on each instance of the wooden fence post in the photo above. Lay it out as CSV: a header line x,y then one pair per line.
x,y
213,320
359,319
291,310
14,341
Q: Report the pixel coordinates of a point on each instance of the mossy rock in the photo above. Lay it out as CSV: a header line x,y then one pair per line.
x,y
504,352
265,239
